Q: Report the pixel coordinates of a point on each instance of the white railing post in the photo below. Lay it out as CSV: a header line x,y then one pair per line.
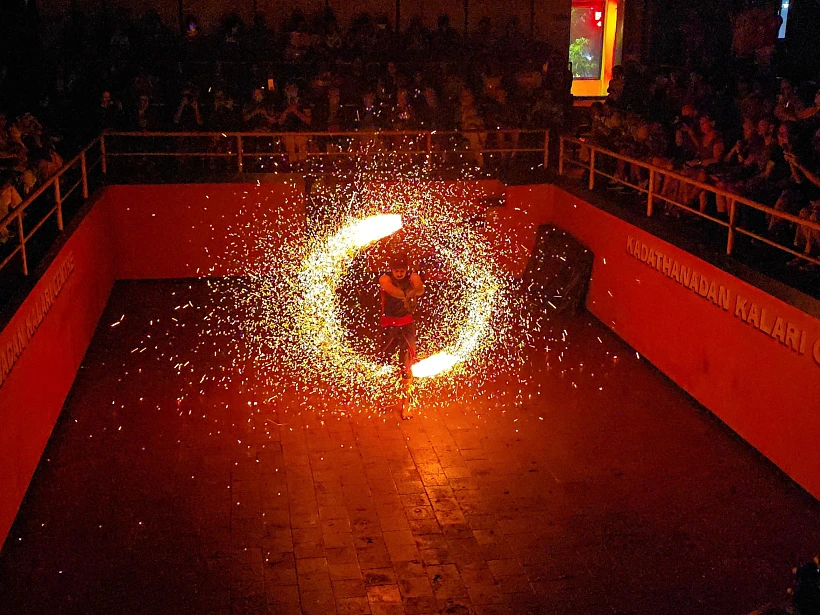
x,y
730,242
546,149
84,172
103,159
561,155
591,168
59,201
22,242
240,163
650,192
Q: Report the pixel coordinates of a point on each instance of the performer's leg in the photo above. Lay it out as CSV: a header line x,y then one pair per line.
x,y
408,356
392,341
408,349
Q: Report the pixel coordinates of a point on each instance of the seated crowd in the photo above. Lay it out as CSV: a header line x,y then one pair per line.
x,y
28,157
753,136
115,74
757,137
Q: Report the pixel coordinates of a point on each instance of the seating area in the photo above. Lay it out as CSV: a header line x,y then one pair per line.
x,y
707,144
734,151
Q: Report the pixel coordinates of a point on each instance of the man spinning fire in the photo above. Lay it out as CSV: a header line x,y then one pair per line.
x,y
399,290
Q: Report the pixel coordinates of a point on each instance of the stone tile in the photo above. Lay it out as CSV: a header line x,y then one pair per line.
x,y
387,608
303,535
352,606
349,588
415,586
338,540
383,593
421,527
446,582
345,571
398,537
394,522
341,555
514,584
379,576
418,513
421,605
504,567
282,594
314,582
415,499
280,577
251,604
318,602
309,550
403,553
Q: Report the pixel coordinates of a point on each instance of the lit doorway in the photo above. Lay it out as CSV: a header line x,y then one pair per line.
x,y
594,25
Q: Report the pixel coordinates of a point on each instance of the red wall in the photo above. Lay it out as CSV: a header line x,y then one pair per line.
x,y
180,230
177,231
32,395
512,228
764,390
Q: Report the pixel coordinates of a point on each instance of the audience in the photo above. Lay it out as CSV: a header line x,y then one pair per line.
x,y
687,122
753,135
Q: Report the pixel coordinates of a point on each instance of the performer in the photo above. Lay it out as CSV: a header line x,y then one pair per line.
x,y
399,290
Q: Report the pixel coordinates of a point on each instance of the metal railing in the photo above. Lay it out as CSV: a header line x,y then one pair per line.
x,y
320,147
49,200
572,149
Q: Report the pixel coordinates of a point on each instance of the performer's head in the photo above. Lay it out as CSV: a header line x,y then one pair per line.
x,y
399,264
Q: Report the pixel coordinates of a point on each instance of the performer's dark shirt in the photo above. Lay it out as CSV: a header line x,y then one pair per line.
x,y
394,311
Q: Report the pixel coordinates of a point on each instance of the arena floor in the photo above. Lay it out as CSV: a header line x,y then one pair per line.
x,y
606,490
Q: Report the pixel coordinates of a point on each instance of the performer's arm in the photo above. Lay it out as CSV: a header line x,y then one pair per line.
x,y
391,289
417,284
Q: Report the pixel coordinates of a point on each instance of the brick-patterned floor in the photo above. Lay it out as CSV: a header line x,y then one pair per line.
x,y
606,491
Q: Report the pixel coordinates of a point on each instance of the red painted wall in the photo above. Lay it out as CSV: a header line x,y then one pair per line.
x,y
180,230
177,231
32,395
760,387
764,390
512,228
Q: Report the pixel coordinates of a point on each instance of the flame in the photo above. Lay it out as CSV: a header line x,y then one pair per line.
x,y
364,232
434,365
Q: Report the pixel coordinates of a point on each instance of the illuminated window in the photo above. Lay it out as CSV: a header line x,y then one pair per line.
x,y
784,13
586,36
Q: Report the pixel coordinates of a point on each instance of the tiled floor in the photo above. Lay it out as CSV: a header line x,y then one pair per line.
x,y
605,491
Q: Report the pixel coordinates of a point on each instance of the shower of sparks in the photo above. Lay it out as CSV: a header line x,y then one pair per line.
x,y
310,301
291,322
319,313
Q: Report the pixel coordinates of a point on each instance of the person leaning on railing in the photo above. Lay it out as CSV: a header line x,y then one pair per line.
x,y
9,199
295,118
738,163
806,238
771,172
709,149
472,125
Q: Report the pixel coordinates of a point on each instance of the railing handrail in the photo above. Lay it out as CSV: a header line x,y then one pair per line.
x,y
731,196
318,133
53,182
